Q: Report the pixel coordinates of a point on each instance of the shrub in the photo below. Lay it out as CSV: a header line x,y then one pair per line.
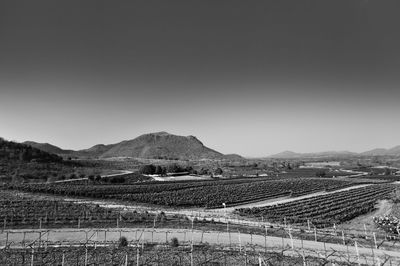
x,y
123,242
174,242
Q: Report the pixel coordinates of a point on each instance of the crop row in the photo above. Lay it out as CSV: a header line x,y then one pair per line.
x,y
200,194
16,210
214,196
325,210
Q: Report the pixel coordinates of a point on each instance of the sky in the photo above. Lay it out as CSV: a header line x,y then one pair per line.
x,y
247,77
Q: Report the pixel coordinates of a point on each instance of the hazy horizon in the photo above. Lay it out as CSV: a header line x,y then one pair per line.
x,y
253,78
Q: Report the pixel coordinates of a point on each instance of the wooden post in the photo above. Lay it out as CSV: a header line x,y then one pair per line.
x,y
358,254
191,251
126,259
240,243
308,225
23,240
95,240
365,232
47,239
265,239
40,223
86,257
63,259
32,257
40,239
315,233
344,241
137,255
376,245
291,237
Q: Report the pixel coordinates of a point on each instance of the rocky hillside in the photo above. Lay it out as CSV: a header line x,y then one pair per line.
x,y
162,145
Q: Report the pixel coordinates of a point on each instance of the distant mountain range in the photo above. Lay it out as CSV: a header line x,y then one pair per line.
x,y
375,152
160,145
163,145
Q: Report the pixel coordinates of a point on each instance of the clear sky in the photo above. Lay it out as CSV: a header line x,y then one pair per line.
x,y
247,77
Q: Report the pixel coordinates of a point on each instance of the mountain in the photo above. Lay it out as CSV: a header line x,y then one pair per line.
x,y
375,152
233,157
19,152
95,151
286,154
395,151
46,147
159,145
162,145
327,154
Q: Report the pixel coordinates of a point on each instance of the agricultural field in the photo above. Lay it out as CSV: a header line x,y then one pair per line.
x,y
325,210
21,211
209,194
172,254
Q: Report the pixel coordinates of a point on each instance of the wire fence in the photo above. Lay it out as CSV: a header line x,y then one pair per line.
x,y
43,241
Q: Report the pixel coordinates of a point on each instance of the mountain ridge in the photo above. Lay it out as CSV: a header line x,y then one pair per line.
x,y
157,145
395,151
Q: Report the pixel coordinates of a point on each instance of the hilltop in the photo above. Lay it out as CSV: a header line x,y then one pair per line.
x,y
46,147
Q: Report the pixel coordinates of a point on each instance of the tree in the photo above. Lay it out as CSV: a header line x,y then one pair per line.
x,y
174,168
123,242
218,171
320,173
160,170
147,169
174,242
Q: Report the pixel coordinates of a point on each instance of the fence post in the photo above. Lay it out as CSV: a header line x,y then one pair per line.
x,y
291,237
358,254
365,232
32,257
240,243
137,255
376,245
315,233
265,239
344,241
86,257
